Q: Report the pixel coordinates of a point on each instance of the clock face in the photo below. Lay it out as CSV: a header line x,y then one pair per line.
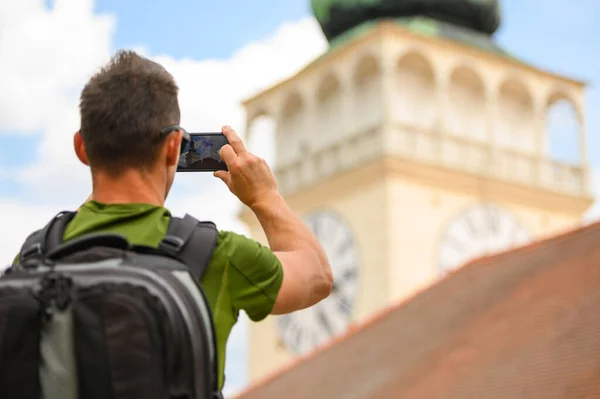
x,y
306,329
480,231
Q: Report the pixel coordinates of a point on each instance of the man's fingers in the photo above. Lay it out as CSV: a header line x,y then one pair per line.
x,y
228,155
224,176
234,140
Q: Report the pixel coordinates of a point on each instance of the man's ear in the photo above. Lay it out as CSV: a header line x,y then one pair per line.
x,y
173,145
80,149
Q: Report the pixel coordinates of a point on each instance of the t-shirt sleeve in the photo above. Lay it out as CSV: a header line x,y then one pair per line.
x,y
255,275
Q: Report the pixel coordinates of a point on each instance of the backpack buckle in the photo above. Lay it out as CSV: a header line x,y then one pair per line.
x,y
32,256
171,243
55,293
32,251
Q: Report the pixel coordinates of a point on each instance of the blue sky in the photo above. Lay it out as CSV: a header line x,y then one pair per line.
x,y
198,29
556,35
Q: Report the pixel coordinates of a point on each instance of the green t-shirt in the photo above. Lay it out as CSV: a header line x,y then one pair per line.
x,y
242,274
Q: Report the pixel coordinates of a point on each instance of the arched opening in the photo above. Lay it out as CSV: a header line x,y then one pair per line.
x,y
292,108
562,130
292,122
466,112
368,106
329,109
562,143
514,127
262,140
415,102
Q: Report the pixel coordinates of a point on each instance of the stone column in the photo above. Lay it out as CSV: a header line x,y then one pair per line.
x,y
583,160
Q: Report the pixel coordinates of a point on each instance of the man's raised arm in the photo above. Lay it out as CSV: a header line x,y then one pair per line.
x,y
307,277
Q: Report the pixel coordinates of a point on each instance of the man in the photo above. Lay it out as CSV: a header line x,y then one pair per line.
x,y
131,140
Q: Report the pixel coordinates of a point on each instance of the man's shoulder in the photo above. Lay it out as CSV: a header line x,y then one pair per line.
x,y
230,243
238,251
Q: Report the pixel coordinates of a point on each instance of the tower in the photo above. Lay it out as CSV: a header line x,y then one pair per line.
x,y
414,144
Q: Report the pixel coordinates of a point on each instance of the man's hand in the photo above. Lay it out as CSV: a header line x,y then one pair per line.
x,y
249,177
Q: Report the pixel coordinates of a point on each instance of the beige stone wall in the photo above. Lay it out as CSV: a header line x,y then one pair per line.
x,y
398,133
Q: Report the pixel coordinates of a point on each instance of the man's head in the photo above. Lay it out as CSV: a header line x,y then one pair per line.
x,y
124,108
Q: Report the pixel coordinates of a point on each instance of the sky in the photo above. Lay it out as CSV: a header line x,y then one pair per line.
x,y
219,52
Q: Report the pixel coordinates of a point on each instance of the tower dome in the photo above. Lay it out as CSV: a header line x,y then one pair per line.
x,y
339,16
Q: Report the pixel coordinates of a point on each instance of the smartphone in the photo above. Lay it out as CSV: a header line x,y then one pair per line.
x,y
201,153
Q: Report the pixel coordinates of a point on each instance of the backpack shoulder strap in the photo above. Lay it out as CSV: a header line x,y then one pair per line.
x,y
192,241
43,241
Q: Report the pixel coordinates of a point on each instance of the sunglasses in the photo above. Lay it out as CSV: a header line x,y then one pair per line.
x,y
184,140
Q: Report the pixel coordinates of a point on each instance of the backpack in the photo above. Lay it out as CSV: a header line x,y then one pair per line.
x,y
98,318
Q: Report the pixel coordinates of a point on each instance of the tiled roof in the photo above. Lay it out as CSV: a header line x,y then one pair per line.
x,y
522,324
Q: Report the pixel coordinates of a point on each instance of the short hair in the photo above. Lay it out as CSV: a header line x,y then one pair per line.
x,y
123,108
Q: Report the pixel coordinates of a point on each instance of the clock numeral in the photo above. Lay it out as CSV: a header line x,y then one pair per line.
x,y
470,225
296,337
314,339
349,274
492,221
315,227
335,288
292,332
325,323
344,305
346,245
284,321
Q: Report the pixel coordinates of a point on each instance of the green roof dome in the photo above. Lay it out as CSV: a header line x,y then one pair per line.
x,y
339,16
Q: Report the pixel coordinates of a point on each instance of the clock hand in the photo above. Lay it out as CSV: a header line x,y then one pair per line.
x,y
348,275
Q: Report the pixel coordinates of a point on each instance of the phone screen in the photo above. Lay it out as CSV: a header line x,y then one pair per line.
x,y
201,153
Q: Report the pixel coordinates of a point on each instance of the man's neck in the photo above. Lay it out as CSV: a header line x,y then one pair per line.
x,y
131,187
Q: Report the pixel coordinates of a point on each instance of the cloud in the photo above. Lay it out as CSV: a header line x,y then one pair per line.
x,y
45,56
17,222
210,96
44,64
